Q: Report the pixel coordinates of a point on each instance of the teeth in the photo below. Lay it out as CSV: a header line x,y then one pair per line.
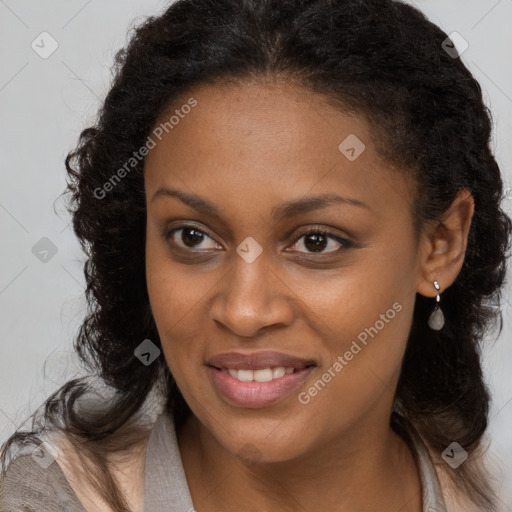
x,y
278,372
245,375
263,375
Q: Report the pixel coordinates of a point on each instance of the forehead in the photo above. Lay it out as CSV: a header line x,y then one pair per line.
x,y
274,119
274,139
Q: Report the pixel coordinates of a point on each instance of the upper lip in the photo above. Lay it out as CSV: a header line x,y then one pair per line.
x,y
258,360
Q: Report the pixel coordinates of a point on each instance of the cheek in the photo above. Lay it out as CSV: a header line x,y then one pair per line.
x,y
173,296
173,307
366,337
175,291
364,319
360,374
372,299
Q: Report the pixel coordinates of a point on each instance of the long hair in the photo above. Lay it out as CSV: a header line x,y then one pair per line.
x,y
382,59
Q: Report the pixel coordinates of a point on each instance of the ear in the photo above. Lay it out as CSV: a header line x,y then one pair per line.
x,y
443,246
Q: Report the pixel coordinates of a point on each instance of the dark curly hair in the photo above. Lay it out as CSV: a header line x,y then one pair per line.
x,y
381,59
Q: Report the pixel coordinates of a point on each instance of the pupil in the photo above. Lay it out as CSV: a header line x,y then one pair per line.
x,y
319,242
194,239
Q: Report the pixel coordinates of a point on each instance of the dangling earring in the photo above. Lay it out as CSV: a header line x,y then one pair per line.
x,y
436,318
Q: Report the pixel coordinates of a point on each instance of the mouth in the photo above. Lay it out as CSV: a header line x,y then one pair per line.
x,y
258,379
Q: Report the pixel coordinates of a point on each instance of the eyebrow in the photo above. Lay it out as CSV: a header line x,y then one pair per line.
x,y
289,209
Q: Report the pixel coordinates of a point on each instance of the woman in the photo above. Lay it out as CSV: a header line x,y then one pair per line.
x,y
293,224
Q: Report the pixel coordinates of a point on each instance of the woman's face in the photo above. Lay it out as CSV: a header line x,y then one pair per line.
x,y
239,273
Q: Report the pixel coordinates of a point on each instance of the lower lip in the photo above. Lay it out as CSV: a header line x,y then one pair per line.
x,y
257,394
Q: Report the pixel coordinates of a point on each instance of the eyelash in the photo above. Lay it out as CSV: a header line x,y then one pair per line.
x,y
314,231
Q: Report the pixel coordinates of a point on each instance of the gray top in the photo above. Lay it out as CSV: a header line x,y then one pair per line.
x,y
29,487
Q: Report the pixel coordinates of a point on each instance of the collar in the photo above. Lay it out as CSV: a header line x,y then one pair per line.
x,y
166,488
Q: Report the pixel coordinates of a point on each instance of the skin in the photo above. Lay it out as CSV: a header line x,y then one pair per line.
x,y
248,148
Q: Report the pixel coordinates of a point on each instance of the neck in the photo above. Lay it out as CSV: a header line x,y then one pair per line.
x,y
370,468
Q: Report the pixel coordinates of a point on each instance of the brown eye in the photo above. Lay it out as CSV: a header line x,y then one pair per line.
x,y
316,241
190,238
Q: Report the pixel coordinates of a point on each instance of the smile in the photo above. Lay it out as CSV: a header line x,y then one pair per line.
x,y
257,388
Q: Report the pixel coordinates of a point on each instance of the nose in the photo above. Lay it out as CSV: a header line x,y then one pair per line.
x,y
252,298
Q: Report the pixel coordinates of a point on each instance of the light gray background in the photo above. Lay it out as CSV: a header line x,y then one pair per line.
x,y
45,103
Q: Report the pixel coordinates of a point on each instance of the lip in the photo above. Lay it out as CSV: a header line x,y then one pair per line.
x,y
257,394
254,394
258,360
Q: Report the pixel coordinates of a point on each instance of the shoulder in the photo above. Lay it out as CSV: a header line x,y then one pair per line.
x,y
29,485
444,490
54,477
127,467
456,500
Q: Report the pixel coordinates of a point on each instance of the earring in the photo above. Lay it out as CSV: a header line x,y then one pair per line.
x,y
436,318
